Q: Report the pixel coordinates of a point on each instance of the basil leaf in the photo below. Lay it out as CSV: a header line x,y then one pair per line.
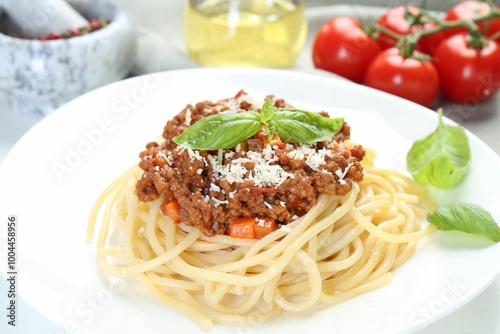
x,y
267,111
466,217
442,158
228,130
302,126
220,131
270,130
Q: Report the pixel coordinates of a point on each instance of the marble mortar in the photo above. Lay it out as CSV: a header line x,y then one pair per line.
x,y
39,76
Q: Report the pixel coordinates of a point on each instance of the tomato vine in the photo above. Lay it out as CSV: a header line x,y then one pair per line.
x,y
424,41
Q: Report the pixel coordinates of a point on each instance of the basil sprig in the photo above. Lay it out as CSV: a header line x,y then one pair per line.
x,y
442,158
466,217
229,129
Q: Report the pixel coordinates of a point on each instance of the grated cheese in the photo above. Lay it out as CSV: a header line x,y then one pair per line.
x,y
263,174
341,174
314,159
260,222
218,202
188,117
168,158
219,156
266,172
194,155
214,187
234,105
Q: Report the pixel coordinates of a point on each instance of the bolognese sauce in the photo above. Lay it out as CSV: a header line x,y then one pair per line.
x,y
261,178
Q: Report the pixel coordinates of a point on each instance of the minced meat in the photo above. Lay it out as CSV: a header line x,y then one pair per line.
x,y
251,180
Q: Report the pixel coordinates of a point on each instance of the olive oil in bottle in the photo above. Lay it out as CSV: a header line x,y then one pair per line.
x,y
245,33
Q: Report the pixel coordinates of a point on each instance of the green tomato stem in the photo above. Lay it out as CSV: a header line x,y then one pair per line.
x,y
407,43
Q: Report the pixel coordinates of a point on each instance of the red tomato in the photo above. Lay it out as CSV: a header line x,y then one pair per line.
x,y
468,75
468,10
394,19
342,47
409,78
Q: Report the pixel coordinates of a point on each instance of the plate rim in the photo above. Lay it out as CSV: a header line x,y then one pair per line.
x,y
210,72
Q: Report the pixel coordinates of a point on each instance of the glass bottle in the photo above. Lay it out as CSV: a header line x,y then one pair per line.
x,y
244,33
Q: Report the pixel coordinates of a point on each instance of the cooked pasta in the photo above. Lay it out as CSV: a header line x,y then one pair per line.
x,y
343,247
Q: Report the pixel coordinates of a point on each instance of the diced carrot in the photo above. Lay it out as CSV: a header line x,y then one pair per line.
x,y
262,134
243,227
251,227
275,140
264,226
171,209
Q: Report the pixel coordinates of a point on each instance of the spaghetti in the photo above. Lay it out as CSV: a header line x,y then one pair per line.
x,y
342,247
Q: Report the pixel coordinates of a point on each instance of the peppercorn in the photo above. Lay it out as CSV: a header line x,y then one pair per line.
x,y
94,25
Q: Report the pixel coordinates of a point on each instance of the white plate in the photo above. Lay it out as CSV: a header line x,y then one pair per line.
x,y
55,172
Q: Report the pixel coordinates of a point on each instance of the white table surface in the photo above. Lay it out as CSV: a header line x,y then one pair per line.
x,y
163,36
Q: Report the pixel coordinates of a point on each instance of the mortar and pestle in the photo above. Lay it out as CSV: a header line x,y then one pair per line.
x,y
52,51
